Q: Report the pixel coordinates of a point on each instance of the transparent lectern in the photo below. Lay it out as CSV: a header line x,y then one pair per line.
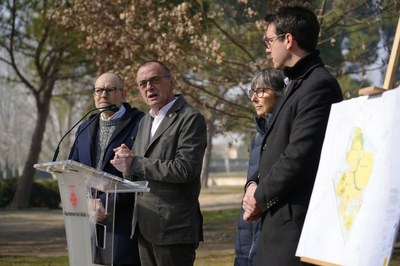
x,y
90,238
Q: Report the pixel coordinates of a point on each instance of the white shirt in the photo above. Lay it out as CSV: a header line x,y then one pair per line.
x,y
159,117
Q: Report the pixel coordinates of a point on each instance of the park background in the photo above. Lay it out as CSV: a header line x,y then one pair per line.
x,y
52,51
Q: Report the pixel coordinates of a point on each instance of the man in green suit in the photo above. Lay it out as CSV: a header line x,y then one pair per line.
x,y
168,154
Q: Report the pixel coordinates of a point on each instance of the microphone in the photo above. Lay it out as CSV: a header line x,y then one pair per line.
x,y
111,107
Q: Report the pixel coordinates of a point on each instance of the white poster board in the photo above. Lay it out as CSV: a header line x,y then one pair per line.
x,y
354,210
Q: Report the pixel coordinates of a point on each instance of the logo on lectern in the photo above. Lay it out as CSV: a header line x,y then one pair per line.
x,y
72,196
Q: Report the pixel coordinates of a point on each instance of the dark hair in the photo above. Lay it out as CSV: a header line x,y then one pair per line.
x,y
271,78
167,71
298,19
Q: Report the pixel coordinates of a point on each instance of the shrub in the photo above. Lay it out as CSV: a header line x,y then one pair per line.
x,y
7,190
44,193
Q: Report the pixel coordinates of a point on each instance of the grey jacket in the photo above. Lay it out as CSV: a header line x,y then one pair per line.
x,y
171,162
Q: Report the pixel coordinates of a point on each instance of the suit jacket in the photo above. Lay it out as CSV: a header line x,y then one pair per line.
x,y
290,157
125,248
171,162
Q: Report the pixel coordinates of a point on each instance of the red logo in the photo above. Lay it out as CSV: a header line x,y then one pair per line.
x,y
72,197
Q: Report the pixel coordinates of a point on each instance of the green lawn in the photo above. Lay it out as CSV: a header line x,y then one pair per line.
x,y
32,261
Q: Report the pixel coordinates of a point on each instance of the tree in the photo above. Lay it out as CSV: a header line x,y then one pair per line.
x,y
178,33
13,140
353,33
39,55
214,47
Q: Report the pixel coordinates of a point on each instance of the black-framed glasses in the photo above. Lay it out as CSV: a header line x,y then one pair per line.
x,y
258,91
153,81
108,91
269,41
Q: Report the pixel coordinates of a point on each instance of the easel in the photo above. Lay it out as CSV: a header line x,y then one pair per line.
x,y
391,70
373,90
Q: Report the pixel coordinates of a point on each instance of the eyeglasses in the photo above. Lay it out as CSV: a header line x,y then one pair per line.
x,y
258,91
269,41
108,91
153,81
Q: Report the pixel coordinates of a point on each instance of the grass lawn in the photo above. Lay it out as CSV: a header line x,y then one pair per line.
x,y
219,231
217,250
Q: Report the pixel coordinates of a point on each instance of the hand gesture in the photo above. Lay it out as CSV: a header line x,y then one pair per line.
x,y
123,158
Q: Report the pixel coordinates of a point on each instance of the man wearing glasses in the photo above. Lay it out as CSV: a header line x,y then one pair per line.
x,y
94,147
280,190
169,155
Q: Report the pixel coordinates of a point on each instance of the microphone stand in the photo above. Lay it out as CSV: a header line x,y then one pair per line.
x,y
107,108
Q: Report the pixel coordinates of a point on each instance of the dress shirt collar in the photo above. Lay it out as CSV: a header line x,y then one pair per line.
x,y
163,111
116,115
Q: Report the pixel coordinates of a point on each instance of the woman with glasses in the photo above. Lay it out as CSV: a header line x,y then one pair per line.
x,y
266,88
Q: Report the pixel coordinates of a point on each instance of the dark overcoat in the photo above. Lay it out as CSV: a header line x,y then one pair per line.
x,y
125,248
290,157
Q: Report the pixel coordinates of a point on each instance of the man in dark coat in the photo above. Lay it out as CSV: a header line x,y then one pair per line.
x,y
280,191
94,147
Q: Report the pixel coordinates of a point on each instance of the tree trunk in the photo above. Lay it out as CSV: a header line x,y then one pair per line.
x,y
23,192
207,156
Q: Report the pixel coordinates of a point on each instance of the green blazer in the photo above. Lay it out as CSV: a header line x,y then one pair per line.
x,y
171,162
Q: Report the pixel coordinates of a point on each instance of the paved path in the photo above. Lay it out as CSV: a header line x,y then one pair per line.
x,y
32,232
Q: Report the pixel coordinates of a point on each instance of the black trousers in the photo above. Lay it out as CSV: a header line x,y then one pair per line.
x,y
165,255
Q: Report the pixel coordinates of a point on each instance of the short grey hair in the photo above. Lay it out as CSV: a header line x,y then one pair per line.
x,y
269,78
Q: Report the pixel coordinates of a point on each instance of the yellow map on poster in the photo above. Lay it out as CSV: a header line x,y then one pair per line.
x,y
353,181
354,212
